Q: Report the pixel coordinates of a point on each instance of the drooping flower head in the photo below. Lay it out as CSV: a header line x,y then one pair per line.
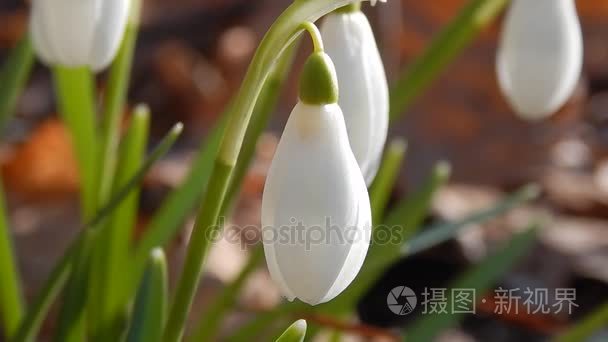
x,y
540,56
77,33
316,213
350,42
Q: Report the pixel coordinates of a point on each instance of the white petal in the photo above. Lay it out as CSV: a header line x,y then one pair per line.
x,y
313,178
40,36
350,42
109,30
70,25
540,55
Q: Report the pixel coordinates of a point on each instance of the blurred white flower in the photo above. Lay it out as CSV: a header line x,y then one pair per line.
x,y
350,42
76,33
540,56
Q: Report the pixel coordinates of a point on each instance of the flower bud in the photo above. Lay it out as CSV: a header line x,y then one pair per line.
x,y
316,214
350,42
77,33
540,56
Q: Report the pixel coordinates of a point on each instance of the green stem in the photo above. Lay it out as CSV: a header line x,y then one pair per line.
x,y
385,180
262,113
11,297
75,88
315,35
13,77
206,226
211,319
473,18
276,40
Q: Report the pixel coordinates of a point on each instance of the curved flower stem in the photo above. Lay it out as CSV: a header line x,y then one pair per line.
x,y
315,35
278,37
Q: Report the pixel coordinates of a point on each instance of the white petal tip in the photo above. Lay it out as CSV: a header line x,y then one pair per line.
x,y
373,2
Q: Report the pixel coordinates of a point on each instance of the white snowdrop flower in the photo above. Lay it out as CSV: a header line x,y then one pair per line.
x,y
540,56
77,33
350,42
316,215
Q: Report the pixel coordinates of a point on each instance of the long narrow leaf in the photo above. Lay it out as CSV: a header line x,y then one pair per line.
x,y
385,179
114,245
152,301
71,320
473,18
167,220
13,77
479,278
436,234
11,296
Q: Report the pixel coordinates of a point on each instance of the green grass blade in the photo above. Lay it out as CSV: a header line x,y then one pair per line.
x,y
11,296
30,325
71,321
211,319
75,89
384,182
152,301
13,77
113,268
473,18
444,231
295,333
583,330
480,278
168,219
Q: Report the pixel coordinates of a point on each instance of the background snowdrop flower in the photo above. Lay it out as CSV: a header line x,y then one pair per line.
x,y
76,33
540,56
314,181
350,43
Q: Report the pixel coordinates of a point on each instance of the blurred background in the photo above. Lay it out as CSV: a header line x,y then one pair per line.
x,y
190,59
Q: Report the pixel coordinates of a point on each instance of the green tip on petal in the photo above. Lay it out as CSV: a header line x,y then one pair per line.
x,y
350,8
318,81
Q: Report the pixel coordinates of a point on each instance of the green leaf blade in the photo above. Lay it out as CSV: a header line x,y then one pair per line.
x,y
152,301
